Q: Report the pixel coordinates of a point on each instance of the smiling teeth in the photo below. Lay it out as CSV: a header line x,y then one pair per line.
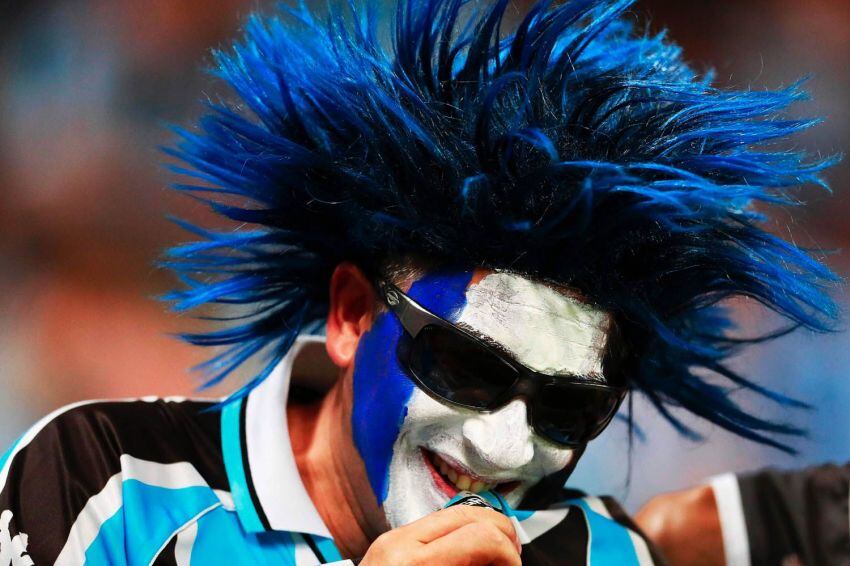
x,y
461,481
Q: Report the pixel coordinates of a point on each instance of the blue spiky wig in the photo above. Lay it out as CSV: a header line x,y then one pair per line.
x,y
565,146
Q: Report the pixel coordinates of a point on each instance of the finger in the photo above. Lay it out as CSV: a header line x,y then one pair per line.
x,y
474,544
443,522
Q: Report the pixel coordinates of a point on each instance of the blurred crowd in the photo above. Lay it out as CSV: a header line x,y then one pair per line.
x,y
87,91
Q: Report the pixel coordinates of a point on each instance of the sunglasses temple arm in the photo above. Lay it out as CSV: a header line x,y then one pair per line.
x,y
412,316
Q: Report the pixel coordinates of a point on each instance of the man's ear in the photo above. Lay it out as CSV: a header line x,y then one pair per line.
x,y
352,306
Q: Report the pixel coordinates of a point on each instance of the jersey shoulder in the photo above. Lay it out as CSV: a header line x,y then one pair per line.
x,y
77,473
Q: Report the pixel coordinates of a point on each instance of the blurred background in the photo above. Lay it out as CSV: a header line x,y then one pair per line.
x,y
87,88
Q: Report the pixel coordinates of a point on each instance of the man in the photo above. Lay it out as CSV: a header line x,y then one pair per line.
x,y
499,235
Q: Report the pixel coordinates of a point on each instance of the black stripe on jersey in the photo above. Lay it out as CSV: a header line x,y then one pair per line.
x,y
770,518
314,547
797,516
167,556
565,543
73,456
249,480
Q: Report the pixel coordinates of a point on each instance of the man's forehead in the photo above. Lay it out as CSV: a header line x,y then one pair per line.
x,y
508,286
547,329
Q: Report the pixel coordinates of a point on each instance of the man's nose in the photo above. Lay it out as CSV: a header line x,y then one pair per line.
x,y
501,439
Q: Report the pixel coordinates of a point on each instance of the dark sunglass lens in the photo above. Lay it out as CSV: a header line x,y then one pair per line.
x,y
570,414
458,368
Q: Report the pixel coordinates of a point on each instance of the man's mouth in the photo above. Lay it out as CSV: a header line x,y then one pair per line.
x,y
452,478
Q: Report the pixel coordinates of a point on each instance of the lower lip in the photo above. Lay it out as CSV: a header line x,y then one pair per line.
x,y
448,489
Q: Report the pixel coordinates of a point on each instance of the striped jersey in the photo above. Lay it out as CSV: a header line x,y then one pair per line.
x,y
179,482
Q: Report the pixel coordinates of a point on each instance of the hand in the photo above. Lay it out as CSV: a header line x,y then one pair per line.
x,y
457,536
685,526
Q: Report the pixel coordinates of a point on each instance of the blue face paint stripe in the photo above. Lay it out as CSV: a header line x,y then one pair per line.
x,y
381,387
442,293
381,392
610,543
231,443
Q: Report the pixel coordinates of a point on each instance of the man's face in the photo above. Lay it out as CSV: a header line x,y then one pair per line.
x,y
419,451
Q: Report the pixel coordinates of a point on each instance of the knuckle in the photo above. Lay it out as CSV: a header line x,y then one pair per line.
x,y
489,532
507,551
505,522
381,550
391,556
496,550
382,541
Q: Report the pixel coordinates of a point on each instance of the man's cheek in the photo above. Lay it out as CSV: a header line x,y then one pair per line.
x,y
381,393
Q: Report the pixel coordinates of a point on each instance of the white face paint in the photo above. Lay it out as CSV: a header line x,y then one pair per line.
x,y
545,330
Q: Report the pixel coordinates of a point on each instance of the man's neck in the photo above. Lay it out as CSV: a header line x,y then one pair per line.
x,y
333,472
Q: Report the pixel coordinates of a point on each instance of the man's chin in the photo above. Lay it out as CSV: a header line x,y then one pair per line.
x,y
413,492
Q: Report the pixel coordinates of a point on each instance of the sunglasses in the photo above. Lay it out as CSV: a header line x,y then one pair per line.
x,y
457,368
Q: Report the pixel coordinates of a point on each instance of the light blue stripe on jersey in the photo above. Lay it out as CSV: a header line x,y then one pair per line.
x,y
149,515
4,458
231,446
610,543
328,549
221,539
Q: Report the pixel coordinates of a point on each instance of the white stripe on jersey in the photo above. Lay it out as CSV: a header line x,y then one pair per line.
x,y
541,522
108,501
185,543
733,524
641,550
304,555
226,499
597,506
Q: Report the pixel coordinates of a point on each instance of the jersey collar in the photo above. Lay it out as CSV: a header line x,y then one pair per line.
x,y
264,480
